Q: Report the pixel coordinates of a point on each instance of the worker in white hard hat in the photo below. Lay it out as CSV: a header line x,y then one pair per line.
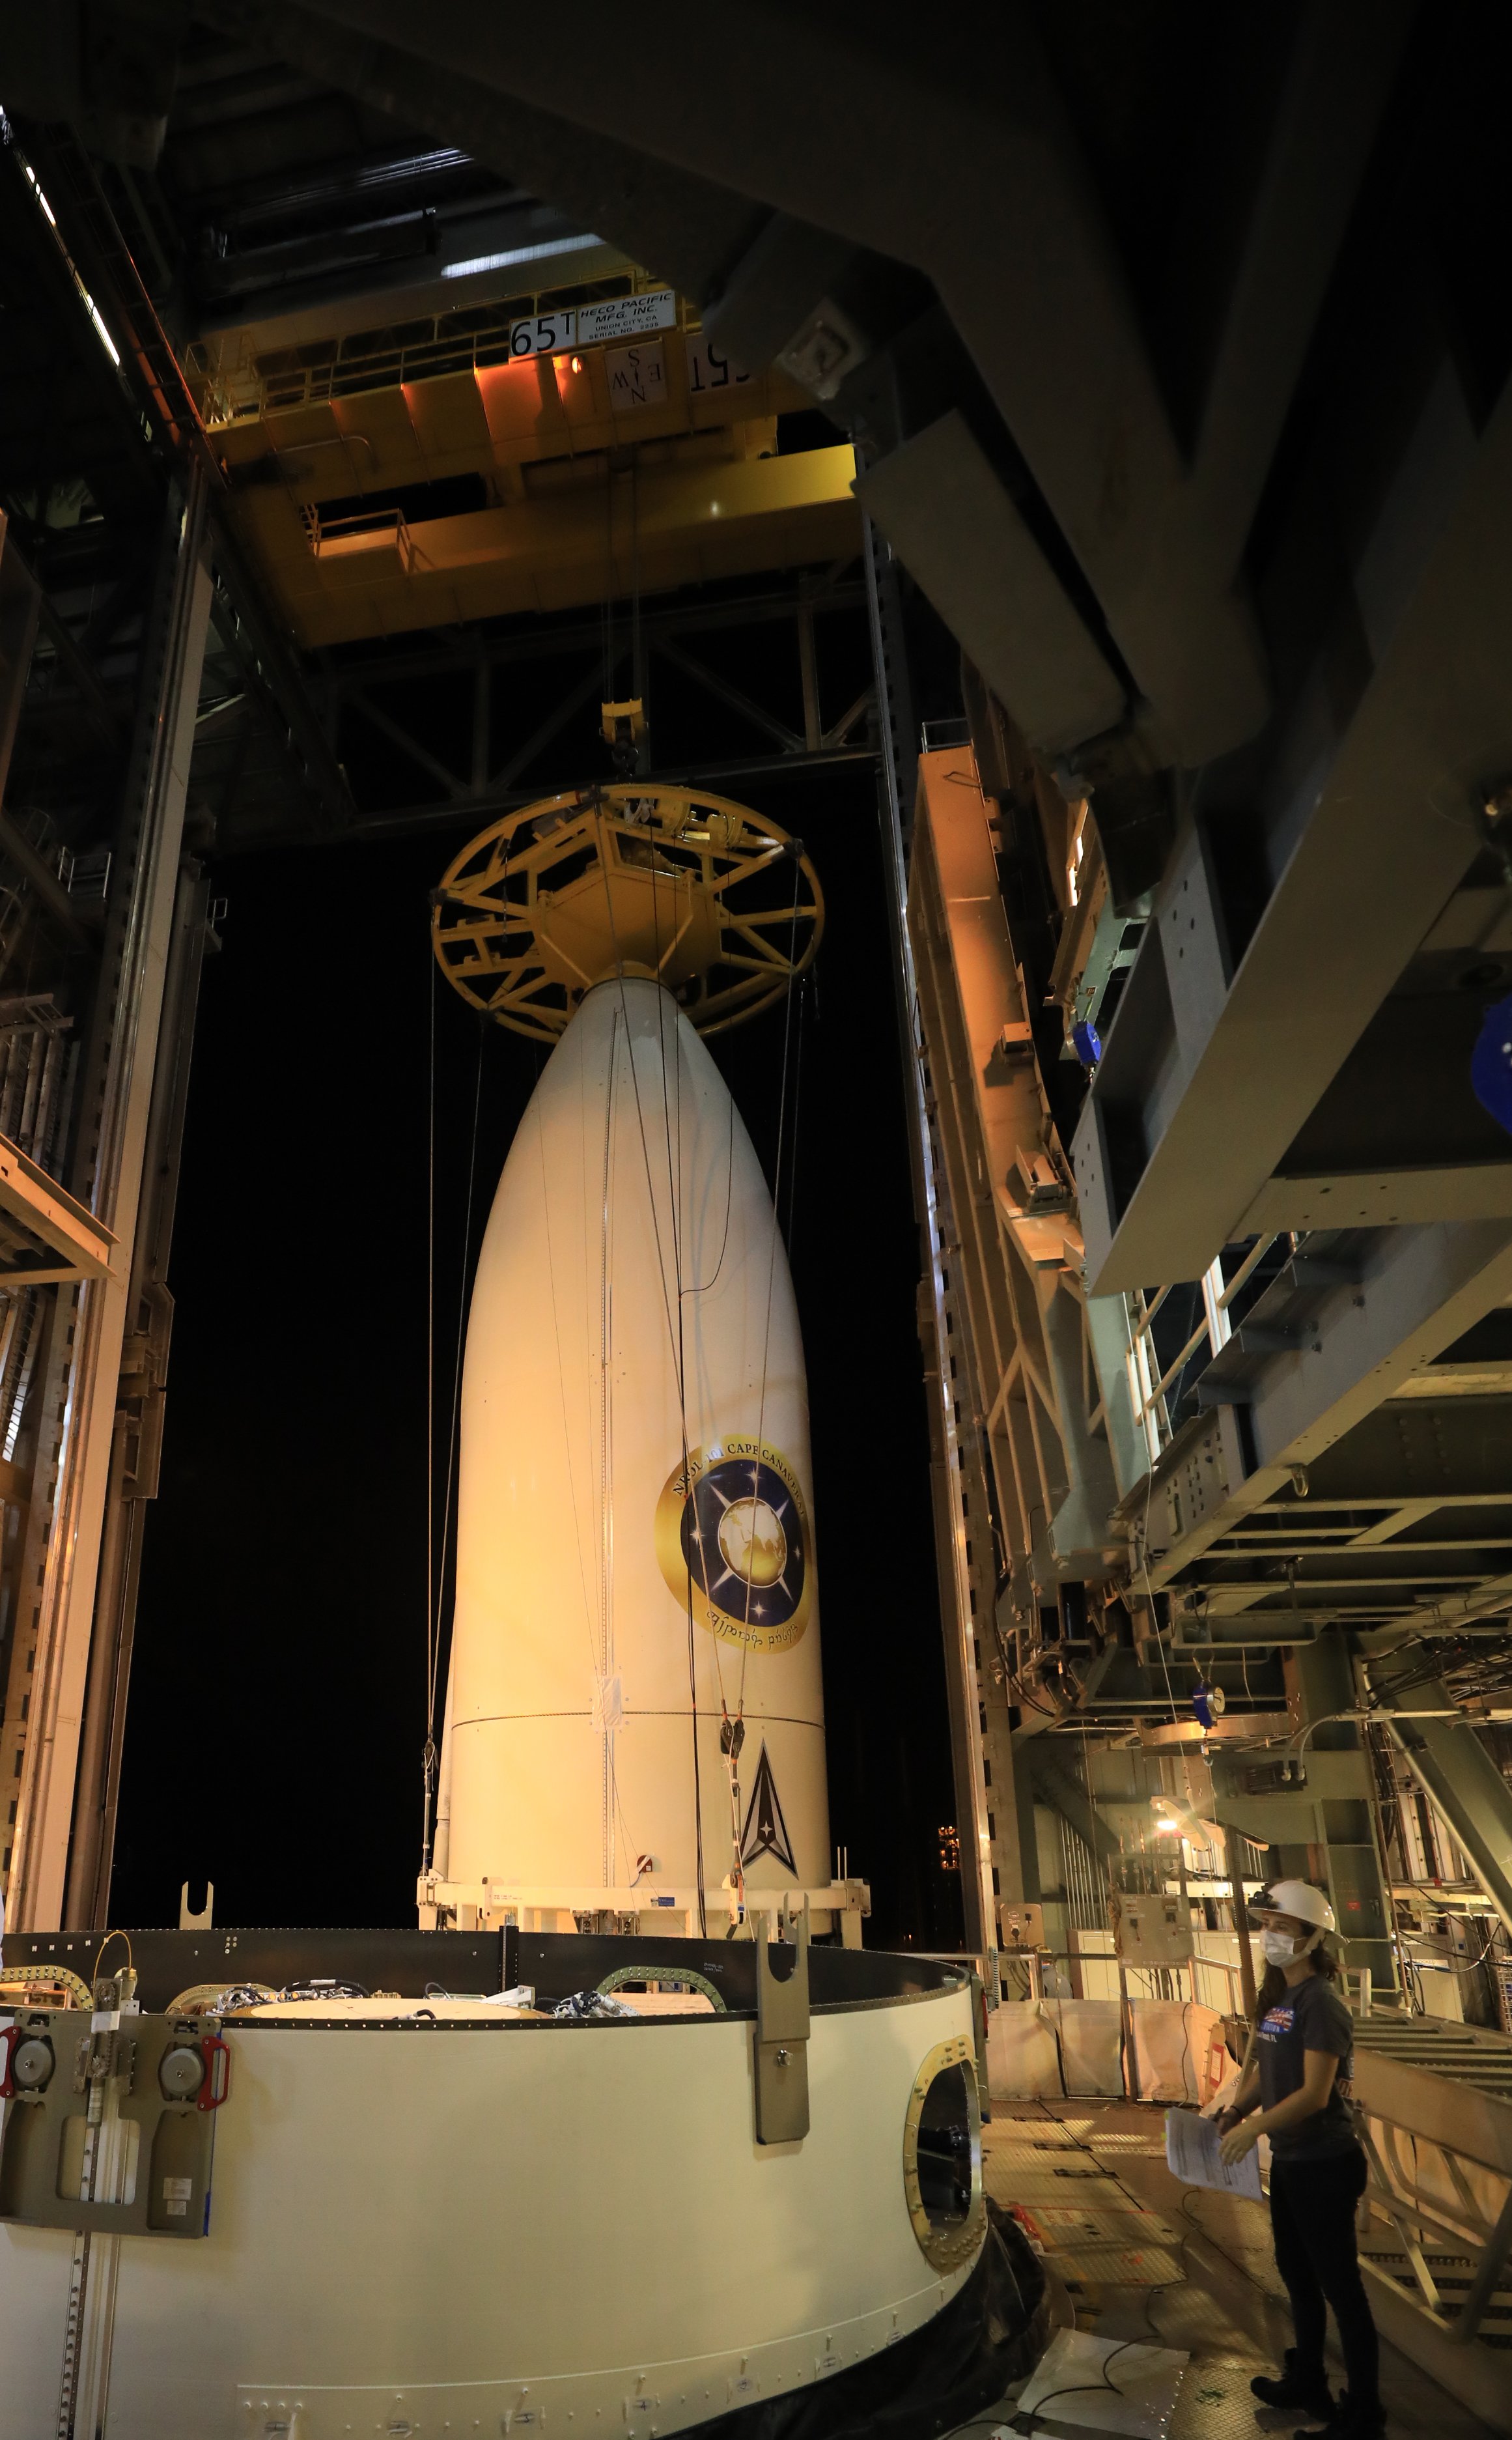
x,y
1302,2057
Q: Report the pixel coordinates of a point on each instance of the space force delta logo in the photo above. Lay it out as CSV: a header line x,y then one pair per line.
x,y
765,1832
732,1534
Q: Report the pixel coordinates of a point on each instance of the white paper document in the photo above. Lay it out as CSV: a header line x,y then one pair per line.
x,y
1192,2155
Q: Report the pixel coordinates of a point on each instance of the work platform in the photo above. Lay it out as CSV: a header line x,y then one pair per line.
x,y
1135,2255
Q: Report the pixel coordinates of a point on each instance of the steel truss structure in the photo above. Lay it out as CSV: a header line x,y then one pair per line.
x,y
1180,380
1196,934
106,918
562,670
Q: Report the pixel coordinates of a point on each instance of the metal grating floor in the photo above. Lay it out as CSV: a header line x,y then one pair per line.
x,y
1133,2256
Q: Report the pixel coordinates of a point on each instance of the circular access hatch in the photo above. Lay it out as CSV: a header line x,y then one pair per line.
x,y
942,2156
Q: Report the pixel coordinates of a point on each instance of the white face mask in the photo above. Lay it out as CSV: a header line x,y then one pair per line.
x,y
1280,1947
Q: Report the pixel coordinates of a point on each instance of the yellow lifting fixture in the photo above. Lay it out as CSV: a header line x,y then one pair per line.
x,y
669,883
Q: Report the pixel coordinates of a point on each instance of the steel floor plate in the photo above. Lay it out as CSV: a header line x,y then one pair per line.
x,y
1117,2266
1123,2244
1030,2155
1126,2222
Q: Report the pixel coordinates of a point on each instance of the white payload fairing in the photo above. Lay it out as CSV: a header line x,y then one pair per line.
x,y
635,1522
634,1719
543,2236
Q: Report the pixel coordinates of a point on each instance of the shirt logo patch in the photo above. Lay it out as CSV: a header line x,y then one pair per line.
x,y
1277,2022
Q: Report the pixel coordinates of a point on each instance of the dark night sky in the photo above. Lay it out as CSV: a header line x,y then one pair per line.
x,y
277,1702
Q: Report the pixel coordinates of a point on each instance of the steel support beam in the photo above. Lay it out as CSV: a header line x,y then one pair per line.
x,y
120,1090
1480,1190
691,228
1386,818
137,1437
1321,1681
1062,1793
1233,1864
947,1475
67,1242
374,689
1488,2276
1420,1290
953,525
153,381
545,639
473,812
276,686
1463,1783
42,878
958,158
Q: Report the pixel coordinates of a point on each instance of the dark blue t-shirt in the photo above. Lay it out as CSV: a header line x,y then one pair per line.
x,y
1309,2017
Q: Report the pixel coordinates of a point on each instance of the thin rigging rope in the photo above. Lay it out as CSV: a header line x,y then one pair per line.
x,y
562,1387
640,1115
596,1644
635,587
608,622
606,1475
676,1333
797,1105
731,1733
729,1741
428,1753
674,1330
702,1287
457,1372
771,1259
674,1175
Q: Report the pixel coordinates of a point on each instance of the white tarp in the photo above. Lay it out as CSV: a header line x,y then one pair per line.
x,y
1170,2047
1023,2056
1091,2049
1050,2049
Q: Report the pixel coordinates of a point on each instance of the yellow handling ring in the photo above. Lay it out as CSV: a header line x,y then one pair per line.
x,y
684,889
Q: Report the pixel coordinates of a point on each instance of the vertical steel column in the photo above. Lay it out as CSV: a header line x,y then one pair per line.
x,y
950,1520
138,1424
1233,1857
109,1176
1325,1676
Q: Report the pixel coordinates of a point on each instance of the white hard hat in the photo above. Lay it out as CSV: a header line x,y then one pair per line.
x,y
1297,1898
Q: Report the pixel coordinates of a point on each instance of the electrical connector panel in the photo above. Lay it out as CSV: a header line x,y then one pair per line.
x,y
1151,1929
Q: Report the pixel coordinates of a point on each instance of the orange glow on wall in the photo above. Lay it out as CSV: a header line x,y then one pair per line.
x,y
520,400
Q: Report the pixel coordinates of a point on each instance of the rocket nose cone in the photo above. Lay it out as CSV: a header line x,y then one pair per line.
x,y
634,1553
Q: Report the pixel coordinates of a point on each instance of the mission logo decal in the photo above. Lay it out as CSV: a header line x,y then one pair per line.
x,y
765,1832
732,1528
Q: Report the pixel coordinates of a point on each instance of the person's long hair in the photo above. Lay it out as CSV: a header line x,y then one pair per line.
x,y
1321,1961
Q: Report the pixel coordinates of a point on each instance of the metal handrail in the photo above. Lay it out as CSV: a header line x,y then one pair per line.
x,y
1205,1329
246,391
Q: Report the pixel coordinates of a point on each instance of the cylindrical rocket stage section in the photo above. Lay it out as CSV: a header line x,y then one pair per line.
x,y
634,1530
